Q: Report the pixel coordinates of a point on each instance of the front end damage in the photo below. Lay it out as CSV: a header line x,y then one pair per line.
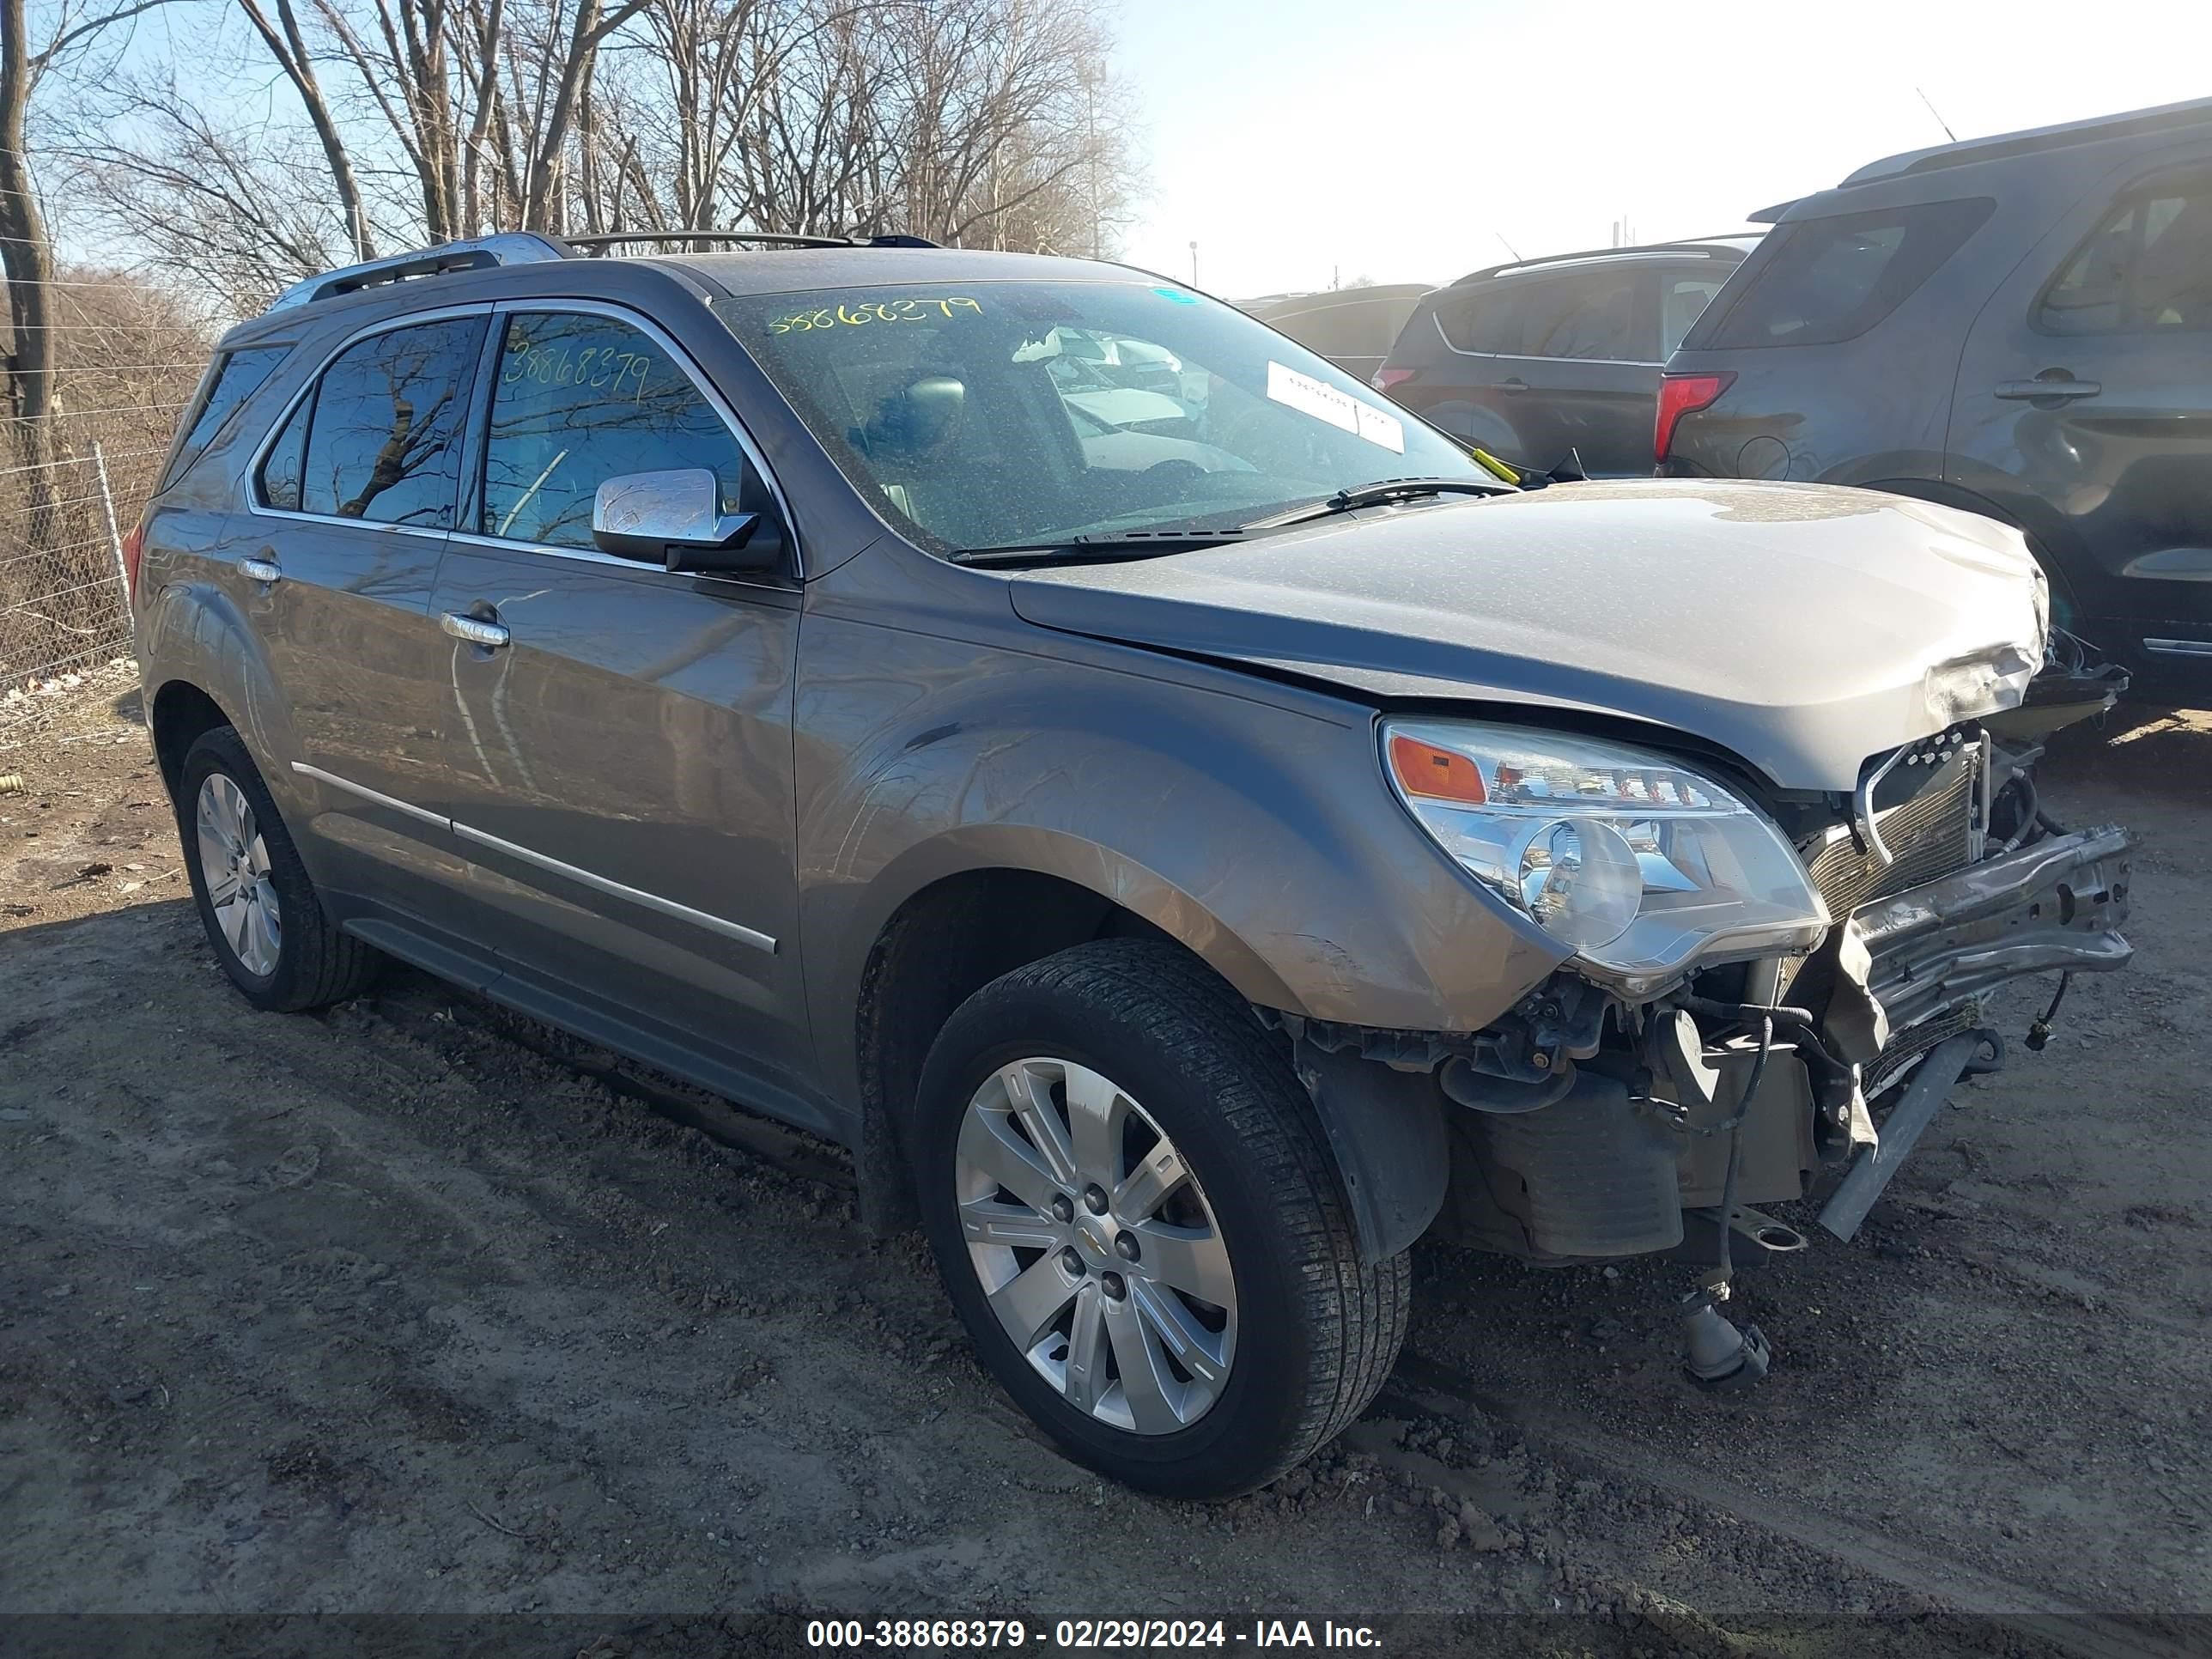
x,y
1586,1124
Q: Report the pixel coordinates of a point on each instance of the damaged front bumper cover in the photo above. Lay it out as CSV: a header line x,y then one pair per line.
x,y
1930,952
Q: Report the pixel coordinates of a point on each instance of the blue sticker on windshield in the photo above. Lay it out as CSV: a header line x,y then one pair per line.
x,y
1178,295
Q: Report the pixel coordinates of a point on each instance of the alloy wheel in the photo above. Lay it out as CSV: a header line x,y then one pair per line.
x,y
1096,1246
234,868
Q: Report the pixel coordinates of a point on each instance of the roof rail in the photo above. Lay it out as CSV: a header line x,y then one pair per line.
x,y
1673,245
521,247
600,241
2127,123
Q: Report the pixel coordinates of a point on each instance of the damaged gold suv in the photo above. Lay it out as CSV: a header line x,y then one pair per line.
x,y
1188,827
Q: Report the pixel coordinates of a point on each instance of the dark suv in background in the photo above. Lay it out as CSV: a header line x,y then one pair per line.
x,y
1548,362
2021,326
1353,327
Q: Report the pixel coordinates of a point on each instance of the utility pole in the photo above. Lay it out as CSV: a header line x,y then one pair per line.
x,y
1194,265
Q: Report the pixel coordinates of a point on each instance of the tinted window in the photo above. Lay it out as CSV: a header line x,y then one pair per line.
x,y
383,438
280,468
1587,315
1682,301
2148,266
1489,319
237,376
1832,279
580,400
1592,314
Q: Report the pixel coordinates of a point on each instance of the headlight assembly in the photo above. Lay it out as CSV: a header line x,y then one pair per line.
x,y
1644,868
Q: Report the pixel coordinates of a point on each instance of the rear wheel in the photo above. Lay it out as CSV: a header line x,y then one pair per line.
x,y
260,910
1135,1213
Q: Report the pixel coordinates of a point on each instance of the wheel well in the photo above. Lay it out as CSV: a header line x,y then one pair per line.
x,y
181,714
942,946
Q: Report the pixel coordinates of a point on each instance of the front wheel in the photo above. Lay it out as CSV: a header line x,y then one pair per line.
x,y
1135,1213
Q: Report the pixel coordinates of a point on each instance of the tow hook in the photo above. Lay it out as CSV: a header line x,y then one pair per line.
x,y
1716,1355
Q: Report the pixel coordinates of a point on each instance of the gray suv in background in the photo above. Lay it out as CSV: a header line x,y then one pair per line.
x,y
1186,860
2021,326
1553,364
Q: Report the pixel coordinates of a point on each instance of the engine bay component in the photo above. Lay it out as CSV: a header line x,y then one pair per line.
x,y
1715,1352
1589,1176
1901,1131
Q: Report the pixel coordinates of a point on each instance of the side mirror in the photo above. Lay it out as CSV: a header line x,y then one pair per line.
x,y
674,519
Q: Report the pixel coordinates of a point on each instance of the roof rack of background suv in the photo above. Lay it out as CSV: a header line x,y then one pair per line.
x,y
1675,245
524,247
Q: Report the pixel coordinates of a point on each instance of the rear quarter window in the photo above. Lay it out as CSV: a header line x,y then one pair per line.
x,y
1830,279
232,379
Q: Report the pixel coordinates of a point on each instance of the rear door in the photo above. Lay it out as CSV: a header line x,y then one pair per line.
x,y
2087,385
619,765
351,499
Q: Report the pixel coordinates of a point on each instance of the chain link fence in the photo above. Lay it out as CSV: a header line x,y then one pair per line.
x,y
65,608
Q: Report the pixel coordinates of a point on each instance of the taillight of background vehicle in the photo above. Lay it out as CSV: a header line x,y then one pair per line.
x,y
1386,377
1681,395
134,548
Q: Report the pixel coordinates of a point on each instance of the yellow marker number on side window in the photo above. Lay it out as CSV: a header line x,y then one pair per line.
x,y
608,370
854,315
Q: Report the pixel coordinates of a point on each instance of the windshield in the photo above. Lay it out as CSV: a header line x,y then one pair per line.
x,y
1004,414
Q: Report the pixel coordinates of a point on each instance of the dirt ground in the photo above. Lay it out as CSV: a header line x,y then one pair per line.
x,y
387,1310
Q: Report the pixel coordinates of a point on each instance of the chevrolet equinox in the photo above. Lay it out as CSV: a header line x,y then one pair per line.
x,y
1187,826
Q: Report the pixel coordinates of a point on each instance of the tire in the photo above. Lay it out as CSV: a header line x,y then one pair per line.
x,y
1307,1331
292,956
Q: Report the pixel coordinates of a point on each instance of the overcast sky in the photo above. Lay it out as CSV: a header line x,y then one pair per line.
x,y
1402,139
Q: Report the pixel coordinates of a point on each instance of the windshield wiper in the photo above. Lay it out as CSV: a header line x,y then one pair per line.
x,y
1121,544
1383,490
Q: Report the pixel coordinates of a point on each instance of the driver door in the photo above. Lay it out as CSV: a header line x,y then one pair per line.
x,y
617,739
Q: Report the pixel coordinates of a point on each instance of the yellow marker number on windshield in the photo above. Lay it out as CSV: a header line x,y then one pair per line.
x,y
880,311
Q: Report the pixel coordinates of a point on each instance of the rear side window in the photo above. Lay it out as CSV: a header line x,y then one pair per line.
x,y
1486,320
1833,279
234,377
379,438
2147,268
579,399
1590,314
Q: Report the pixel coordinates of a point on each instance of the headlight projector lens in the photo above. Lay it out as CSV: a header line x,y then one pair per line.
x,y
1580,882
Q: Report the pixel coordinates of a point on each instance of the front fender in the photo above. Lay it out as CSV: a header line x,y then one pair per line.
x,y
1249,821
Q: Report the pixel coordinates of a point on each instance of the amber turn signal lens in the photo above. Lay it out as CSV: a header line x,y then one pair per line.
x,y
1435,773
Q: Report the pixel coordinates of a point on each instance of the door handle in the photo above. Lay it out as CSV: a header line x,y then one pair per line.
x,y
1516,384
2057,390
261,570
489,634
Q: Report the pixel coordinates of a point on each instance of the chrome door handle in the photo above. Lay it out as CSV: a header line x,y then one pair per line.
x,y
1516,384
261,570
489,634
2057,391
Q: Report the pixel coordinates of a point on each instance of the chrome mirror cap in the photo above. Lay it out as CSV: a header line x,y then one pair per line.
x,y
674,519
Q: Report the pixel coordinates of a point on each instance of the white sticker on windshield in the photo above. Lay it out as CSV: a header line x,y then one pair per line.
x,y
1340,408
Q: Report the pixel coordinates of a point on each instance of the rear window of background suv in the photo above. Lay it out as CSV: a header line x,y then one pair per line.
x,y
1830,279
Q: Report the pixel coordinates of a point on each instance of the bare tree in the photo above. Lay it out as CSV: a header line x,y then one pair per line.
x,y
288,46
26,249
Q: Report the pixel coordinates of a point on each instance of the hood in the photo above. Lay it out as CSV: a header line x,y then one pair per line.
x,y
1802,627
